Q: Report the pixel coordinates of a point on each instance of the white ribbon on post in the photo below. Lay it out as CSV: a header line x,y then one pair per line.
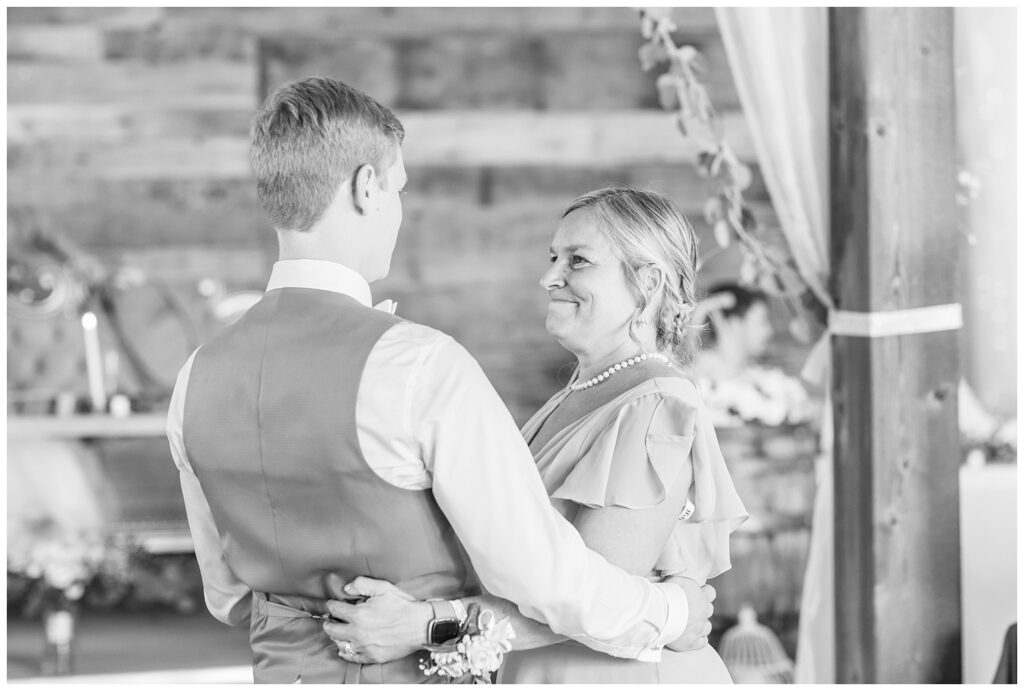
x,y
882,324
896,322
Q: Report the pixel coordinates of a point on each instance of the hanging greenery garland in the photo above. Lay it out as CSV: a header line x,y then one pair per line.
x,y
767,267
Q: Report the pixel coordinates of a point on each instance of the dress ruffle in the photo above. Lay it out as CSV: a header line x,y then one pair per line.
x,y
632,455
635,459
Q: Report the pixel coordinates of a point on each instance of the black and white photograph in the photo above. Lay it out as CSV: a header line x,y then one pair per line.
x,y
511,345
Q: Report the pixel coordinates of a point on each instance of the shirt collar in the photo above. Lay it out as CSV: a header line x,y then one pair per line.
x,y
318,274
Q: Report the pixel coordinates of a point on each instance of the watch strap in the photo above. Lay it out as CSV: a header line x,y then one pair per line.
x,y
444,609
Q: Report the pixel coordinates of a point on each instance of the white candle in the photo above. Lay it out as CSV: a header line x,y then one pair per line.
x,y
94,362
120,405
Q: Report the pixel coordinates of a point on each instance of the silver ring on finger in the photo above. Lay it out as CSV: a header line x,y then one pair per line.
x,y
348,649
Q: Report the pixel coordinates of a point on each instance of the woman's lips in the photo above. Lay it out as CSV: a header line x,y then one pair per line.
x,y
560,298
560,302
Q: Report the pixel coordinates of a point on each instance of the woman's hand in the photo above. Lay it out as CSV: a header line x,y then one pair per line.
x,y
389,625
698,624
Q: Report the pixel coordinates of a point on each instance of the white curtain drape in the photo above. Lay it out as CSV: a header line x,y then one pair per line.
x,y
779,60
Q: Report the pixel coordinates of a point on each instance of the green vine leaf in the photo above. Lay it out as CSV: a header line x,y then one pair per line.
x,y
654,20
713,209
723,233
741,176
705,159
668,91
652,54
748,220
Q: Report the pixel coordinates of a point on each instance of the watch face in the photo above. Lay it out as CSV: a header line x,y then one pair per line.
x,y
443,630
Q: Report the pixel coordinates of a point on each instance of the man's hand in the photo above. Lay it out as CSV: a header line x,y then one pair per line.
x,y
698,624
388,626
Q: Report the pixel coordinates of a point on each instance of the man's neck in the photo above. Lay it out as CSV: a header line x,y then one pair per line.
x,y
291,247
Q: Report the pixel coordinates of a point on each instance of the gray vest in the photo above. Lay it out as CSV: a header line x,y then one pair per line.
x,y
270,429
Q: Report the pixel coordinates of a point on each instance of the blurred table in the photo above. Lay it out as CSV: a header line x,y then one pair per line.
x,y
22,427
988,564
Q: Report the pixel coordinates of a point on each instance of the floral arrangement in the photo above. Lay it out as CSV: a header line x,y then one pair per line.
x,y
986,437
55,565
682,91
762,395
475,654
1001,447
49,568
50,571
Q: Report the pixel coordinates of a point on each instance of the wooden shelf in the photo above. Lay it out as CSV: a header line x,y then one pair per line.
x,y
85,426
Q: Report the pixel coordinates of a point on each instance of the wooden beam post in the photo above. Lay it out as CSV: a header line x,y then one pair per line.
x,y
894,247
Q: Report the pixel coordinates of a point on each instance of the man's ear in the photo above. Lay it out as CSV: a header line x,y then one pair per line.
x,y
364,188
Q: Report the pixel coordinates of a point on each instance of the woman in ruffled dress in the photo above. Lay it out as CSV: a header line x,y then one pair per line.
x,y
626,450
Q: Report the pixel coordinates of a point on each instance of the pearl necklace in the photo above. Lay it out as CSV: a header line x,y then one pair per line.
x,y
619,366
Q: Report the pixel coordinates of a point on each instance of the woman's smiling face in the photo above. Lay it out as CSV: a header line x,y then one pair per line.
x,y
591,303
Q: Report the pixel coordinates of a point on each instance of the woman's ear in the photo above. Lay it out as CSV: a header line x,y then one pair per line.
x,y
652,280
364,188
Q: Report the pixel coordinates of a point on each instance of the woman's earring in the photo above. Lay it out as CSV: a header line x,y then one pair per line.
x,y
641,319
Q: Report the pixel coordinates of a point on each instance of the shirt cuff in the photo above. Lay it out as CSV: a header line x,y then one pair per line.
x,y
678,611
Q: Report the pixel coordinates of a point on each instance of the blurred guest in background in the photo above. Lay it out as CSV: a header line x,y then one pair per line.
x,y
737,388
741,329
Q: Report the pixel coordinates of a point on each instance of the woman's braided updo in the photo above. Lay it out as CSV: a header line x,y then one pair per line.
x,y
648,230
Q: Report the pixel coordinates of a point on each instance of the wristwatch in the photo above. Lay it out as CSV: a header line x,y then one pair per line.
x,y
446,622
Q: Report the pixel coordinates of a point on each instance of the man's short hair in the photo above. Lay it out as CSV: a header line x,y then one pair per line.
x,y
309,136
742,298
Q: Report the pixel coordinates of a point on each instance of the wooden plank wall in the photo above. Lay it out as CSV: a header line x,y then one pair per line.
x,y
127,131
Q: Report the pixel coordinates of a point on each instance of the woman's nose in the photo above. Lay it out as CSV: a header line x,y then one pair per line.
x,y
553,277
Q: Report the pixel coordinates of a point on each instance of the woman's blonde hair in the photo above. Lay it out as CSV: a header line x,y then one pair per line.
x,y
648,230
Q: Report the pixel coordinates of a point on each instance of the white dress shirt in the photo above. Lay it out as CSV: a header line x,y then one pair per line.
x,y
426,416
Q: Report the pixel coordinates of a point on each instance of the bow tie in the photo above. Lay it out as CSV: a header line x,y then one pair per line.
x,y
388,306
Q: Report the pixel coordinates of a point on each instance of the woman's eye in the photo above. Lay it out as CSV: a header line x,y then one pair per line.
x,y
552,259
577,260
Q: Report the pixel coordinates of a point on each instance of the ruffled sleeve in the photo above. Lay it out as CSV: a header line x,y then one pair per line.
x,y
699,545
634,459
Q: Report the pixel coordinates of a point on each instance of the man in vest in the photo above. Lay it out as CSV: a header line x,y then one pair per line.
x,y
317,435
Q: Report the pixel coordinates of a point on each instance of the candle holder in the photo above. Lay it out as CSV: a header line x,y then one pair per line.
x,y
94,362
58,638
